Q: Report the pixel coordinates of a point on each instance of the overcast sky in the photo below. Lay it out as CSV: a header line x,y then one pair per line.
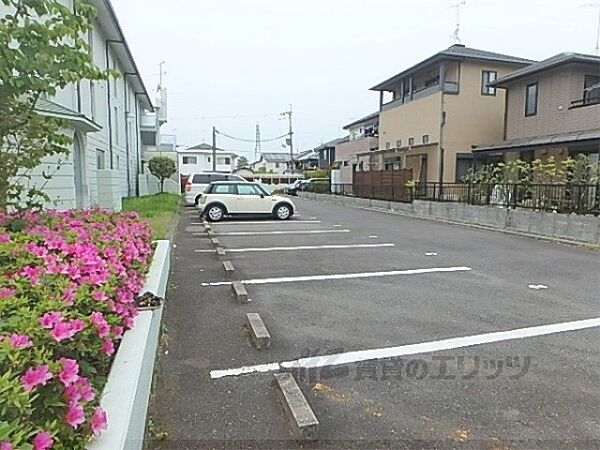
x,y
233,63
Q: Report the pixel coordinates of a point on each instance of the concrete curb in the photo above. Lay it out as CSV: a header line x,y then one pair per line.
x,y
221,253
228,268
127,391
299,413
259,335
366,204
239,292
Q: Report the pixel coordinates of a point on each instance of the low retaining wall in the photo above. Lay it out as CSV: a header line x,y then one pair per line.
x,y
560,226
127,391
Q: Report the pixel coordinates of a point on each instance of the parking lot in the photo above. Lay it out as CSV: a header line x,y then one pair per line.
x,y
401,333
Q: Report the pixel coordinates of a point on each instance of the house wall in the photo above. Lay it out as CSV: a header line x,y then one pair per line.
x,y
557,88
471,117
204,162
270,167
346,155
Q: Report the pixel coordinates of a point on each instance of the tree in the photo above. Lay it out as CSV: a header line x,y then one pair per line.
x,y
162,167
242,162
43,49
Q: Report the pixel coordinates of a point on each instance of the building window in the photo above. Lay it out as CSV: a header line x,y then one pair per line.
x,y
531,100
93,100
100,159
346,163
387,145
227,161
487,77
425,139
399,143
591,90
116,122
277,165
209,159
190,160
411,141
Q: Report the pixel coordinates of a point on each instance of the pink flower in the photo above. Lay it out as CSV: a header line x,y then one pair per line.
x,y
99,422
75,415
72,393
36,377
103,329
20,342
6,446
33,273
4,239
108,347
99,296
97,318
69,295
85,389
117,332
70,371
62,331
43,441
50,319
77,325
6,293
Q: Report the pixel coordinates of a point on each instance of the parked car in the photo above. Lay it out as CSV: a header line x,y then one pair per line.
x,y
242,199
296,186
198,182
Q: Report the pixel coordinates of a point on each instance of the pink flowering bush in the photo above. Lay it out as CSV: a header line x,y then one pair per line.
x,y
68,282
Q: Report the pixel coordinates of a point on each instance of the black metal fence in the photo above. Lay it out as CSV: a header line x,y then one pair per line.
x,y
561,198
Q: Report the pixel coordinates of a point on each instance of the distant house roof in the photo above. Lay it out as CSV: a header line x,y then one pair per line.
x,y
275,157
455,52
307,155
554,61
332,143
78,120
362,120
204,148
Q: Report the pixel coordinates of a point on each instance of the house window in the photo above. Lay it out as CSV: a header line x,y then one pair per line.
x,y
209,159
487,77
531,100
227,161
346,163
190,160
277,165
411,141
425,139
116,121
591,90
387,145
100,159
399,143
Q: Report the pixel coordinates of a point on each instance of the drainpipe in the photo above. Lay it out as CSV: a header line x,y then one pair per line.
x,y
109,102
137,145
442,123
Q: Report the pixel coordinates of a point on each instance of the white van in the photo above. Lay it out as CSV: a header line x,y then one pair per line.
x,y
198,182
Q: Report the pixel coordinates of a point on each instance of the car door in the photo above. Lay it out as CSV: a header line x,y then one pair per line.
x,y
249,200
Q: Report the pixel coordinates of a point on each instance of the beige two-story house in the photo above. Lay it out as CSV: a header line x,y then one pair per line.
x,y
552,109
440,109
355,154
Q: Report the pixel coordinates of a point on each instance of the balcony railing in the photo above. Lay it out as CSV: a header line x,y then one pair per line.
x,y
450,87
589,101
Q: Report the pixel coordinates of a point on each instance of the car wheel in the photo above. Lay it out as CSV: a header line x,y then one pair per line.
x,y
283,212
215,213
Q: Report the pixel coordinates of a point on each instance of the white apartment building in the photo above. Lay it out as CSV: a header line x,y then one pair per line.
x,y
200,159
105,121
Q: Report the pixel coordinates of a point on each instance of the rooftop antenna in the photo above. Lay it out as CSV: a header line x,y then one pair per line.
x,y
595,5
257,148
456,34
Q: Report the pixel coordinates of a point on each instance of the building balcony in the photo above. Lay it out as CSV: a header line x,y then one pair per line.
x,y
450,87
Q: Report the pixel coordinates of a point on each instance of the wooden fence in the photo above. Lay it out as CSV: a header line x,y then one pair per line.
x,y
383,184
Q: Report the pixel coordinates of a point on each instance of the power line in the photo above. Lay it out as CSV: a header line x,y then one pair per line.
x,y
252,141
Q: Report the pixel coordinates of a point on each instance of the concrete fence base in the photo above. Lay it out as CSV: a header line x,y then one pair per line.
x,y
573,227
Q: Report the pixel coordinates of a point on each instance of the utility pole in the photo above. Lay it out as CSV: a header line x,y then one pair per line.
x,y
595,5
257,148
160,74
456,34
214,149
290,139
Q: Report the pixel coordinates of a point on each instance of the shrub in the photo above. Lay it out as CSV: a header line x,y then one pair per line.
x,y
68,281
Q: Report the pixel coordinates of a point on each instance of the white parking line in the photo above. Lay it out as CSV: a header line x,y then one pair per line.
x,y
301,247
262,222
343,276
258,233
411,349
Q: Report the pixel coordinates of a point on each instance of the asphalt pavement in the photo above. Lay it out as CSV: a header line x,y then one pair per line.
x,y
335,281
